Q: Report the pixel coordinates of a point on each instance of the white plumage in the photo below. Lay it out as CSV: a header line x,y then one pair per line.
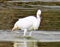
x,y
28,23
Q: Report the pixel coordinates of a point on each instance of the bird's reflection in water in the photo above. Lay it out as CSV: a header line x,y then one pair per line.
x,y
29,42
25,43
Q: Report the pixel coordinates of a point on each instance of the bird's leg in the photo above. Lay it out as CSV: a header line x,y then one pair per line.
x,y
30,33
25,30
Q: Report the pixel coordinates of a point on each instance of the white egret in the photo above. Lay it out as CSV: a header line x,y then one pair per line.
x,y
28,23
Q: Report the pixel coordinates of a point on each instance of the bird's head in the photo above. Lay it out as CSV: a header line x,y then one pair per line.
x,y
39,12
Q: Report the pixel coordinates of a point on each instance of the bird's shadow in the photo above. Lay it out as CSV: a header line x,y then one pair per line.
x,y
26,37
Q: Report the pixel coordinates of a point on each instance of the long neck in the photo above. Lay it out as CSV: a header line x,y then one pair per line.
x,y
38,17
